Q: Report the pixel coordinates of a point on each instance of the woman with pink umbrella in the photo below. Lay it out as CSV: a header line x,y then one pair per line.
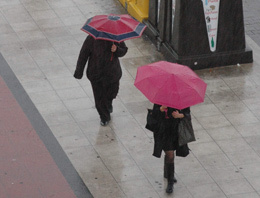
x,y
173,88
166,138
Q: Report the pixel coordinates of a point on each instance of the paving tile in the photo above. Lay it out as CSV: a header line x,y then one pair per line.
x,y
241,186
138,188
205,148
71,93
227,95
212,122
6,29
190,164
238,81
248,92
215,161
111,190
250,170
101,137
11,12
232,107
205,110
71,141
60,3
62,117
207,190
253,141
49,23
9,38
24,27
245,117
232,145
56,32
196,178
113,163
255,182
202,136
223,174
247,130
242,157
43,14
127,173
248,195
85,115
222,133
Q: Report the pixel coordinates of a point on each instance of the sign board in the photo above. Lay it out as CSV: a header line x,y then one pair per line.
x,y
211,11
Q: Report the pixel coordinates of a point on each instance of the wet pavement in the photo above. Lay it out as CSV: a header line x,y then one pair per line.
x,y
40,42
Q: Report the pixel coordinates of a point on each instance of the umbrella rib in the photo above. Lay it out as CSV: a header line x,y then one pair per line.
x,y
192,85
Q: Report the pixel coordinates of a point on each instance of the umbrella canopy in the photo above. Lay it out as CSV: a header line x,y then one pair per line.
x,y
170,84
115,28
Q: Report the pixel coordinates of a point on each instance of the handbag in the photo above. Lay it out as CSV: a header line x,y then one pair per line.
x,y
151,122
185,132
183,151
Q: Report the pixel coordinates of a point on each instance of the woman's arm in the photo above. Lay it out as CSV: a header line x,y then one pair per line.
x,y
83,57
181,114
121,49
157,112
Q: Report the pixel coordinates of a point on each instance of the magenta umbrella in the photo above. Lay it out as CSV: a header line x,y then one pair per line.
x,y
170,84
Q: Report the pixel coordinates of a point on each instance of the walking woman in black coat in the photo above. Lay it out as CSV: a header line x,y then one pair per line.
x,y
103,71
166,139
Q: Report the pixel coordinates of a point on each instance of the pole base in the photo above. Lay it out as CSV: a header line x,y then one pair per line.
x,y
203,61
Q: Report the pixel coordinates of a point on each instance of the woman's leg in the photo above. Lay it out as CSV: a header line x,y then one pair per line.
x,y
169,159
112,91
99,92
169,156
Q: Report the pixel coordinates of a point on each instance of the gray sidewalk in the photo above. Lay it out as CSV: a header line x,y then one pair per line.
x,y
41,39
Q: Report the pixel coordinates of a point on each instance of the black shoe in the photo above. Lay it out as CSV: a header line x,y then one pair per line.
x,y
169,188
103,123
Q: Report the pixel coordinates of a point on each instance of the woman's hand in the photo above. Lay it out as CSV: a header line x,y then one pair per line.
x,y
176,114
113,48
163,108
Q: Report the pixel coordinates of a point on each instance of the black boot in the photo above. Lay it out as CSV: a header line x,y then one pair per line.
x,y
170,174
165,168
165,171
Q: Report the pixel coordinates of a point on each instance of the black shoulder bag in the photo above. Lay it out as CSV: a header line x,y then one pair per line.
x,y
151,122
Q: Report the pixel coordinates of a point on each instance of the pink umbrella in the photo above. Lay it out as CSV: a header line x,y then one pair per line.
x,y
112,27
170,84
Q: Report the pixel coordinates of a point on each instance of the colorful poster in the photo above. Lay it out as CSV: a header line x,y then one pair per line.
x,y
211,11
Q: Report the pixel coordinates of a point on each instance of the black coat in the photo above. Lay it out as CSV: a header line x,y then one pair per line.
x,y
100,66
166,127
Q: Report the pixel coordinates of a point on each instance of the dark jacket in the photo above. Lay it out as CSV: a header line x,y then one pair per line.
x,y
100,64
164,125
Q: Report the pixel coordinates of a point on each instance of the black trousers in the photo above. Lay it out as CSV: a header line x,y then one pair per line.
x,y
104,93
